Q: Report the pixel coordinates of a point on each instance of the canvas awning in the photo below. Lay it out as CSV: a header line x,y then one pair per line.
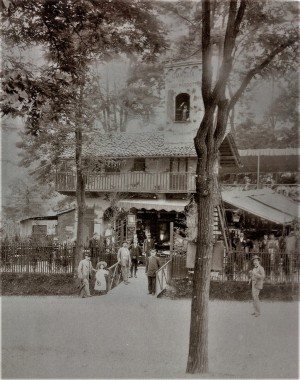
x,y
264,203
177,205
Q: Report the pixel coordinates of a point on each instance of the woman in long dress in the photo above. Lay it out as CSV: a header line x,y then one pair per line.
x,y
101,275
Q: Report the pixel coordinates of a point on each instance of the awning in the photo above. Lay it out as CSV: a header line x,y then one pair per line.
x,y
264,203
177,205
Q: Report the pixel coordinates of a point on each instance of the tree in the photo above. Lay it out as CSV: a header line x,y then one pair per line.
x,y
26,200
232,30
74,35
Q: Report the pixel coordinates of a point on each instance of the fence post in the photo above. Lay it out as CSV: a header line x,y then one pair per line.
x,y
292,271
171,244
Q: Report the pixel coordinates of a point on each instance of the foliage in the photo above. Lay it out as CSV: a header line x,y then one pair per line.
x,y
73,36
74,33
27,200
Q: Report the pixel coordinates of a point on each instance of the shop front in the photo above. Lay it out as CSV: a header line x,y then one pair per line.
x,y
161,219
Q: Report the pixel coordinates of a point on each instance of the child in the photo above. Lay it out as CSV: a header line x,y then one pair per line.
x,y
101,275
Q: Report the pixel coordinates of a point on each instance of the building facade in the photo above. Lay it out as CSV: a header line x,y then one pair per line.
x,y
142,182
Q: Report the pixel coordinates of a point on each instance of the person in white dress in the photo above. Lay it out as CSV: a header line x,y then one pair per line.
x,y
101,275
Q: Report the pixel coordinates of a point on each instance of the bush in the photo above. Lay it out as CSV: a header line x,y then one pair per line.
x,y
233,291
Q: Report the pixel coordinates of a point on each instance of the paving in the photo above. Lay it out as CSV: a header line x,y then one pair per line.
x,y
131,334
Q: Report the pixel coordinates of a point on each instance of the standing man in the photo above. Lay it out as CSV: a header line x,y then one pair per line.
x,y
135,252
257,275
152,265
85,273
148,245
94,246
125,261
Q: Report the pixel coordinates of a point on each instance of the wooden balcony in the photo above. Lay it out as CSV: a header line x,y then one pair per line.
x,y
144,182
134,182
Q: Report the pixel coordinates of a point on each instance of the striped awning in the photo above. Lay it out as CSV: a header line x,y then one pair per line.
x,y
177,205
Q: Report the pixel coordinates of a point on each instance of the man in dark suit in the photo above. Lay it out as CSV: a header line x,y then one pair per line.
x,y
94,246
148,245
152,266
135,251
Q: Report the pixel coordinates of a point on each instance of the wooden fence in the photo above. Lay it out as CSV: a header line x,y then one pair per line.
x,y
39,258
33,258
280,268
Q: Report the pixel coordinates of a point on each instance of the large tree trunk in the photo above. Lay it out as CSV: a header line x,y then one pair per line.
x,y
80,184
198,348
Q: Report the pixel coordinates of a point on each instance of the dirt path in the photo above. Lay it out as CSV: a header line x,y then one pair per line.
x,y
130,334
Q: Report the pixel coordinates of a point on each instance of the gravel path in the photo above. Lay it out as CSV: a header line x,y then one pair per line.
x,y
130,334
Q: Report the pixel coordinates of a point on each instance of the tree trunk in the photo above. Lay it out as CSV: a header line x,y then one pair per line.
x,y
80,184
198,347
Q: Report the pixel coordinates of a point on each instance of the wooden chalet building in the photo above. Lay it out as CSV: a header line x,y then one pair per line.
x,y
150,174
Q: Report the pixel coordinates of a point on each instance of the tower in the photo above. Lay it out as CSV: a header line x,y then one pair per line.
x,y
183,99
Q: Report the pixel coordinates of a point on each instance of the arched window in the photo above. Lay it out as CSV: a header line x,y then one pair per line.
x,y
182,107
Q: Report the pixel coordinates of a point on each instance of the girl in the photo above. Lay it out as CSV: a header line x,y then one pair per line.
x,y
101,275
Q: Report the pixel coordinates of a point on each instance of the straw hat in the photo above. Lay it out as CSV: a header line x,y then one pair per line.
x,y
104,263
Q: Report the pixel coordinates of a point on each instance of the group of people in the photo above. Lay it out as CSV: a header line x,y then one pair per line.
x,y
85,269
128,259
277,254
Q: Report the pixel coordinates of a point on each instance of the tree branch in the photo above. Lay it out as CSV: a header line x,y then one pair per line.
x,y
258,69
206,52
221,126
235,18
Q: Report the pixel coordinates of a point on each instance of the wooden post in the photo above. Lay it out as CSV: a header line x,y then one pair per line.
x,y
171,239
258,168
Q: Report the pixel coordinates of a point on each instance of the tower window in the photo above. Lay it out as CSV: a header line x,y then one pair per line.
x,y
182,106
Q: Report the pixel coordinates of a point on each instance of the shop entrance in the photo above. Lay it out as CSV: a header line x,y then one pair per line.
x,y
158,224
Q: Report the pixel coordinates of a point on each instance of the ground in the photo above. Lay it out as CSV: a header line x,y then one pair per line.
x,y
130,334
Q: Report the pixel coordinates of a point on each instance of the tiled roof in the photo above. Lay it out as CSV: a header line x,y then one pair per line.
x,y
121,145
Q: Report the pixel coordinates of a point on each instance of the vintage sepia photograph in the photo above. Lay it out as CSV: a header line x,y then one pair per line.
x,y
150,189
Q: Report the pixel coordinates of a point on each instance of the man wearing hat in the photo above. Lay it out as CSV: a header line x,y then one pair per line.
x,y
125,261
257,275
84,273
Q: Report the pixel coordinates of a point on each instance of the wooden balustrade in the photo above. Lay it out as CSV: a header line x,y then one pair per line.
x,y
145,182
142,182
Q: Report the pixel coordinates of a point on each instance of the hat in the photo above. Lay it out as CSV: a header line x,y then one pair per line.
x,y
255,257
86,252
102,263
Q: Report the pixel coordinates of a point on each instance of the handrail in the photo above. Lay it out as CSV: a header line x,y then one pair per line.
x,y
115,278
160,286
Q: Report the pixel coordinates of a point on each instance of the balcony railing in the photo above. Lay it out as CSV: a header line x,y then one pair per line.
x,y
141,182
144,182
